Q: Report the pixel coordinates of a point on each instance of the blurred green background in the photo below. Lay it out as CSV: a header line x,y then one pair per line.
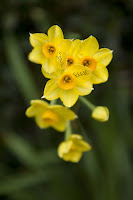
x,y
29,166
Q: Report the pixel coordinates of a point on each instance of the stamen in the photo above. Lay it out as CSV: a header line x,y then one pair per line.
x,y
67,81
49,50
88,62
70,61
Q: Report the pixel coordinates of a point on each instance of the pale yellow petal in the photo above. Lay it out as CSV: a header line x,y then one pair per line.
x,y
80,72
68,97
48,66
37,107
100,74
73,156
54,74
64,147
74,47
63,112
103,56
60,125
65,45
38,39
60,60
36,55
40,122
88,47
82,146
51,90
55,34
84,88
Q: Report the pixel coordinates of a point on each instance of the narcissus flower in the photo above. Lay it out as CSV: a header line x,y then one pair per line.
x,y
74,81
89,55
71,58
49,50
50,115
101,113
72,149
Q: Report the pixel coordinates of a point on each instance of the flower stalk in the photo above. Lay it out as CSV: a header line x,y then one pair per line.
x,y
87,103
68,131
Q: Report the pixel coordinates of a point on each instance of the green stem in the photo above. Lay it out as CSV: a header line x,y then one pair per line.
x,y
68,130
53,102
87,103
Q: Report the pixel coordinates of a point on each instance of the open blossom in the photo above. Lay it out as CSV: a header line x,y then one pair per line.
x,y
69,84
88,54
49,50
46,115
72,149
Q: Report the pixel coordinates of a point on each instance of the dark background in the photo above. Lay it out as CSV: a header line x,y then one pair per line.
x,y
29,166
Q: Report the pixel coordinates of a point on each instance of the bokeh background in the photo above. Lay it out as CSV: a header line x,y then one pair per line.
x,y
29,166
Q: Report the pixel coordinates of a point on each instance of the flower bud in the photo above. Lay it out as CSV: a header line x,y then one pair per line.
x,y
101,113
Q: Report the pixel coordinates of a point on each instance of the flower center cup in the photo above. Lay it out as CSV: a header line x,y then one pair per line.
x,y
49,50
70,61
50,117
88,62
67,81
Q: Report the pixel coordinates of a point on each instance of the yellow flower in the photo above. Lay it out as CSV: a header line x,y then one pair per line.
x,y
71,58
49,51
50,115
74,81
72,149
95,59
101,113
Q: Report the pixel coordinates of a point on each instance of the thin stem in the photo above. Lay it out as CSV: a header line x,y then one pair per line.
x,y
87,103
53,102
68,130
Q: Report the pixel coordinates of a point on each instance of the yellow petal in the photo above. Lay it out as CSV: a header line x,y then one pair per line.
x,y
75,137
84,88
88,47
55,34
37,107
80,72
64,147
38,39
82,146
65,45
40,123
99,75
68,97
48,66
63,112
103,56
60,125
36,55
54,74
60,60
51,90
73,156
74,47
101,113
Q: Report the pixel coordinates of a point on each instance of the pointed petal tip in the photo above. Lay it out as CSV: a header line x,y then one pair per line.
x,y
43,97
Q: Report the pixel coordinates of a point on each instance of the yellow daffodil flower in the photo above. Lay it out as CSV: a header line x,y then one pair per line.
x,y
71,58
72,149
101,113
74,81
89,55
49,50
46,115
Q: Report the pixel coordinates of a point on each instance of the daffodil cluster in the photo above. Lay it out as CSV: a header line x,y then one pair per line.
x,y
72,67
